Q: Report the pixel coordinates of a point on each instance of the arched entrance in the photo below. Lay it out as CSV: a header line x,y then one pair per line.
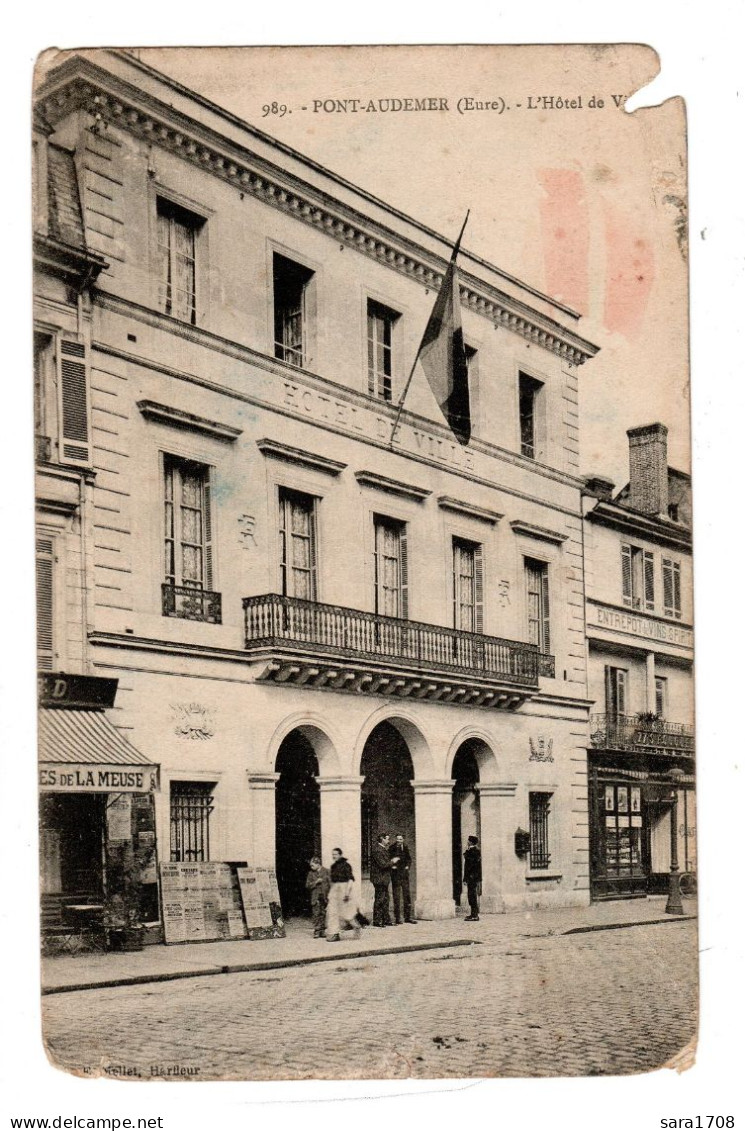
x,y
466,812
387,793
298,820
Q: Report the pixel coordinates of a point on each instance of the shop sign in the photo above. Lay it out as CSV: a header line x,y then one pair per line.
x,y
82,778
57,689
639,625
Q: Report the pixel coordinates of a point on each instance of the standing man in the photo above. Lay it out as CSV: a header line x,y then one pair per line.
x,y
380,878
472,877
318,884
400,866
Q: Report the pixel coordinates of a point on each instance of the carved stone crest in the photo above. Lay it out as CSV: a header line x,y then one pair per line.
x,y
541,749
193,721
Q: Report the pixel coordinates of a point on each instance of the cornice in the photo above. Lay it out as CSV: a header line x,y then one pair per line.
x,y
299,456
75,264
457,506
121,105
541,533
392,486
177,418
643,526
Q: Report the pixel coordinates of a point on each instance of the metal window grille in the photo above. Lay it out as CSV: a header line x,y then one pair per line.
x,y
540,807
191,808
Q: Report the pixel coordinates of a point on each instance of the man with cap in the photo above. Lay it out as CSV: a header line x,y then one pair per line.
x,y
400,865
380,878
472,877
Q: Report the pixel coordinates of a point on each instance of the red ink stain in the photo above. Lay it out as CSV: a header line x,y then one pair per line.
x,y
565,233
629,272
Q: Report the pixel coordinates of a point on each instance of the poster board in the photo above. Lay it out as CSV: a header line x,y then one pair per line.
x,y
261,906
201,902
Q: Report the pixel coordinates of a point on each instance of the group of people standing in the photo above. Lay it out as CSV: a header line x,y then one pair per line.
x,y
334,897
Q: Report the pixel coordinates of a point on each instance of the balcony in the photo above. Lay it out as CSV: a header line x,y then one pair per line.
x,y
191,604
308,643
641,734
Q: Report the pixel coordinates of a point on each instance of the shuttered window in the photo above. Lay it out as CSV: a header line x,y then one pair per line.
x,y
468,586
298,545
671,588
177,265
45,604
188,524
391,568
660,697
637,577
615,691
74,404
536,581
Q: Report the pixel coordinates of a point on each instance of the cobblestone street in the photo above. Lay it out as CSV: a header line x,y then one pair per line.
x,y
606,1002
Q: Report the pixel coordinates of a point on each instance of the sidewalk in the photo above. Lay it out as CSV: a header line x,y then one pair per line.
x,y
65,973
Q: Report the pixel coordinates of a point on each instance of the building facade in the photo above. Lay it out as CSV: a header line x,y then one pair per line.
x,y
640,645
322,626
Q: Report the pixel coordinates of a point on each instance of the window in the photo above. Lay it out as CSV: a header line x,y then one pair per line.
x,y
539,807
297,538
191,809
536,580
671,588
187,590
43,354
673,512
291,281
380,324
391,568
45,604
468,586
530,398
177,264
637,577
616,682
622,830
660,697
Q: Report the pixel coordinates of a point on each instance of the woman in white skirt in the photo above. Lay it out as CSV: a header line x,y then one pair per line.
x,y
343,911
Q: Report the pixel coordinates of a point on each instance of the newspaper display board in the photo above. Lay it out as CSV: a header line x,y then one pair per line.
x,y
261,906
201,902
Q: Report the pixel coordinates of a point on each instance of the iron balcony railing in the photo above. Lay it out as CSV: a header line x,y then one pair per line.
x,y
640,732
272,620
191,604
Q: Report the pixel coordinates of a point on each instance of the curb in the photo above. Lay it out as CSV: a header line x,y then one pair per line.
x,y
251,967
636,923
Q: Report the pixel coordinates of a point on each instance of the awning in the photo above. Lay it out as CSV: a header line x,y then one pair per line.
x,y
81,751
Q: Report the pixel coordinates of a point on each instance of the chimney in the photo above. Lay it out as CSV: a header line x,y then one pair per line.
x,y
648,491
598,487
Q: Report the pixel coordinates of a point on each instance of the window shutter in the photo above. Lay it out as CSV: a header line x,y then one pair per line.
x,y
478,589
313,548
456,585
621,691
73,383
649,580
207,518
626,576
667,586
45,604
404,563
677,607
545,617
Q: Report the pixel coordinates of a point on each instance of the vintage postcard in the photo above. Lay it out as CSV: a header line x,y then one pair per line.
x,y
363,559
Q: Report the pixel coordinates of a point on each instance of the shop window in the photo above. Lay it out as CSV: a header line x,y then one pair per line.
x,y
187,589
671,588
539,810
637,577
192,806
531,395
391,569
177,260
380,349
298,545
468,586
538,606
291,283
623,830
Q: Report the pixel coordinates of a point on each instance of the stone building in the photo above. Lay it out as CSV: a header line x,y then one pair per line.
x,y
640,644
319,629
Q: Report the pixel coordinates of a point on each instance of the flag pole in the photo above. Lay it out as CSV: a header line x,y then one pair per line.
x,y
456,249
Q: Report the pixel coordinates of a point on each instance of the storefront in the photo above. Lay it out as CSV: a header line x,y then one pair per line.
x,y
98,852
631,810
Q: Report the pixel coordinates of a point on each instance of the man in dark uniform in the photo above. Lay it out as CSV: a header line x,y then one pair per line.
x,y
380,878
400,866
472,877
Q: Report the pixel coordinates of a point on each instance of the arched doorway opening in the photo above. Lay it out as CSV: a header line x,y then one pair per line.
x,y
298,820
387,793
466,812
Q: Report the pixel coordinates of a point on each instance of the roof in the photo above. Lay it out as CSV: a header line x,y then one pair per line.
x,y
76,736
65,219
